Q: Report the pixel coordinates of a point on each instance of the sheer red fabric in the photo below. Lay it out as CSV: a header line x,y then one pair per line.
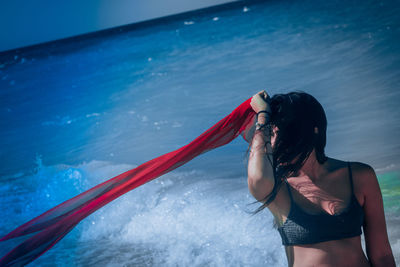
x,y
53,225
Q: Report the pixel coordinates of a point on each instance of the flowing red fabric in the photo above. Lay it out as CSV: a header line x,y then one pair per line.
x,y
54,224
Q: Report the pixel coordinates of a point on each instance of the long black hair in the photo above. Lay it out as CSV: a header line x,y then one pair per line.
x,y
296,115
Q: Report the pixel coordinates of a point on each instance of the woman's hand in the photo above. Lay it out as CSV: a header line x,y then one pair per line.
x,y
260,101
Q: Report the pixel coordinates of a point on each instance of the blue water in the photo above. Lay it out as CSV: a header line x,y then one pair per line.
x,y
75,114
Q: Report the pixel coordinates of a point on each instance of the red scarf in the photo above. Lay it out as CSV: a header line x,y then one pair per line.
x,y
53,225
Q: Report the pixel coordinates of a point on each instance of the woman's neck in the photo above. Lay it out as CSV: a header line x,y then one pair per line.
x,y
312,168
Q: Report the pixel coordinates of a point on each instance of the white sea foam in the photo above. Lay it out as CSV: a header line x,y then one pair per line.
x,y
191,219
59,121
188,217
182,218
176,124
94,114
389,167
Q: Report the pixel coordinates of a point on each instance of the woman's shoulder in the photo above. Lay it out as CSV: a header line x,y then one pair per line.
x,y
364,179
358,168
361,167
363,175
362,172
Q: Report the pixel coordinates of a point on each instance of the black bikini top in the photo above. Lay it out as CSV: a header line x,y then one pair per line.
x,y
302,228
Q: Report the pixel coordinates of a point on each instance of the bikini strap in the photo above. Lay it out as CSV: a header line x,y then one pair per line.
x,y
351,178
289,191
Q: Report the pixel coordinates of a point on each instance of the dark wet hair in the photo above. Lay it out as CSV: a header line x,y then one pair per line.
x,y
295,114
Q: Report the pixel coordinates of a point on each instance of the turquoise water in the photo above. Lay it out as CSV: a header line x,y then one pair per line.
x,y
390,187
75,114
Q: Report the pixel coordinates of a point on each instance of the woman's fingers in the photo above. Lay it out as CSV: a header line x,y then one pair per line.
x,y
263,94
259,101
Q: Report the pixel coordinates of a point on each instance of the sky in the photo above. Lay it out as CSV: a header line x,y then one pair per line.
x,y
24,23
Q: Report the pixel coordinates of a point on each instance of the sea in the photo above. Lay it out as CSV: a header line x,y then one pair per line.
x,y
77,112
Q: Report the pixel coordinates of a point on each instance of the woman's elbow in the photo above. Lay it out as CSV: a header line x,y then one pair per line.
x,y
259,186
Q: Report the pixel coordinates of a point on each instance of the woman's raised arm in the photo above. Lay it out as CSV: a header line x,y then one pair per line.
x,y
260,170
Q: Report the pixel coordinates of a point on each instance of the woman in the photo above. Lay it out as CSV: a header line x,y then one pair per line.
x,y
320,204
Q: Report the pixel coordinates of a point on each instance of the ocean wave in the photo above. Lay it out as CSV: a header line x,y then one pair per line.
x,y
187,216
